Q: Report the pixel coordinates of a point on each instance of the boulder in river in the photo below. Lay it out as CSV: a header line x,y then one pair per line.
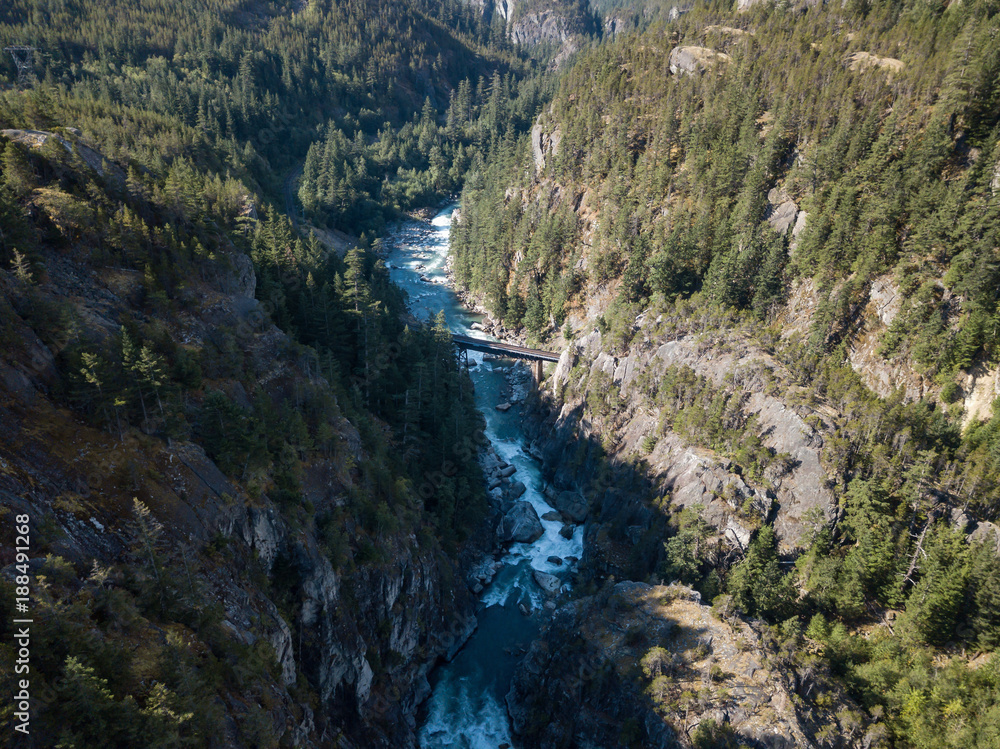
x,y
507,472
567,531
555,560
552,515
517,489
549,583
503,407
520,524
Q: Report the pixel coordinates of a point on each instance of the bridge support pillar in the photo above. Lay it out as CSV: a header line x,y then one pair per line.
x,y
536,372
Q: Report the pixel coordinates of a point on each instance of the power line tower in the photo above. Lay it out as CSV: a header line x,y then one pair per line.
x,y
24,59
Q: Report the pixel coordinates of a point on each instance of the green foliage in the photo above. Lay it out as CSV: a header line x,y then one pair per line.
x,y
757,584
712,735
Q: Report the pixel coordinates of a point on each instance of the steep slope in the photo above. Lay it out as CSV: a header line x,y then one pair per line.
x,y
766,239
221,431
198,500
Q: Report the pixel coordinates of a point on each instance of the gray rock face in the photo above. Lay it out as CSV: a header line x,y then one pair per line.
x,y
545,26
520,525
567,359
782,211
244,278
572,505
800,224
543,144
689,60
536,147
694,476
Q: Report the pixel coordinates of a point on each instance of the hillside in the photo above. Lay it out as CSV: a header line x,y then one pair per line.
x,y
766,239
219,428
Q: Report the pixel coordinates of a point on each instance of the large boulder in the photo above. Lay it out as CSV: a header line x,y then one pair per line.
x,y
571,505
549,583
520,524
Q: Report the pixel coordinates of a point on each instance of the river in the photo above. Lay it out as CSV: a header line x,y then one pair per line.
x,y
466,707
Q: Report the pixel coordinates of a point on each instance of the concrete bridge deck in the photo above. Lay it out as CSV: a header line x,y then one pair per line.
x,y
503,349
534,355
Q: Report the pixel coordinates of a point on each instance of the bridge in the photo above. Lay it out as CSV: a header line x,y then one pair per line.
x,y
534,355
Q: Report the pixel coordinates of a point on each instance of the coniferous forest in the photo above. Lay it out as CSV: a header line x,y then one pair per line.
x,y
256,481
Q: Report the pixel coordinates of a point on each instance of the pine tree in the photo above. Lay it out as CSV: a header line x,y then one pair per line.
x,y
757,584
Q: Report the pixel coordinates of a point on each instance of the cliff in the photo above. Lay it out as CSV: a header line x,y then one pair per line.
x,y
652,666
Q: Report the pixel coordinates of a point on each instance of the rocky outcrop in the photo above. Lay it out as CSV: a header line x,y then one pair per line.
x,y
658,660
570,504
782,212
861,61
544,144
797,485
561,26
541,27
73,145
981,386
691,60
884,376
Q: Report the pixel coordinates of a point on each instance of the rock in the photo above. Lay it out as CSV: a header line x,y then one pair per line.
x,y
495,484
579,639
537,145
782,216
517,489
555,560
503,407
552,516
477,588
520,525
800,224
524,609
549,583
567,531
691,60
571,505
507,472
862,61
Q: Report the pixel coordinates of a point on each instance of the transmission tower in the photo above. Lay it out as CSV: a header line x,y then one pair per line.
x,y
24,59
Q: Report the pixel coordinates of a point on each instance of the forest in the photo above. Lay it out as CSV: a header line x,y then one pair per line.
x,y
172,128
649,190
174,131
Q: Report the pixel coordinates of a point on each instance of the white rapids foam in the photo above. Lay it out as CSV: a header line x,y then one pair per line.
x,y
463,716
